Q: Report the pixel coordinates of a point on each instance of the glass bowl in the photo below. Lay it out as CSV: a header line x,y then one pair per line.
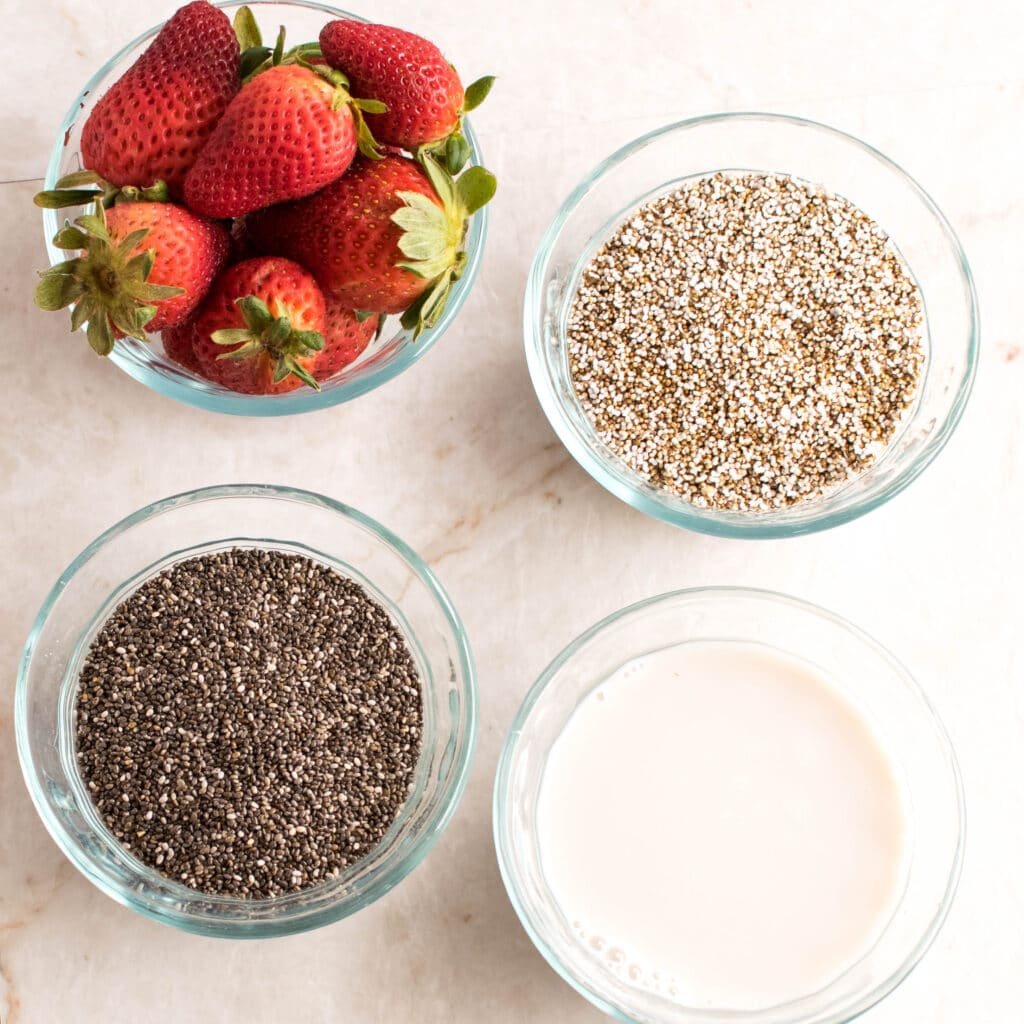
x,y
860,667
658,163
383,359
208,520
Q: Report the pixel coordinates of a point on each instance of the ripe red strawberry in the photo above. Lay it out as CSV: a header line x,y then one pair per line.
x,y
346,336
288,132
424,97
384,238
142,267
179,345
153,121
260,330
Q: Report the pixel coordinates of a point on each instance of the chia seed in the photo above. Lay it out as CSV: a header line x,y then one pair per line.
x,y
248,722
747,341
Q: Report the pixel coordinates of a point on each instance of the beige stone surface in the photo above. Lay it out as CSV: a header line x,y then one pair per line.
x,y
457,458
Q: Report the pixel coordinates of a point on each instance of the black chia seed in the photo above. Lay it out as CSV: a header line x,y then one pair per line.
x,y
248,723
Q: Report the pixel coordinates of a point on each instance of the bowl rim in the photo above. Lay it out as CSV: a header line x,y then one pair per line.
x,y
738,525
185,389
302,920
516,730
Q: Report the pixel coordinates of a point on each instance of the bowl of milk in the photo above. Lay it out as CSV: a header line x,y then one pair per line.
x,y
729,805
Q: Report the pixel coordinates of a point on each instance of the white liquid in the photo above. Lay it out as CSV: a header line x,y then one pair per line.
x,y
718,823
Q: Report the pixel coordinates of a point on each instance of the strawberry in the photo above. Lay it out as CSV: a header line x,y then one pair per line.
x,y
142,267
346,335
260,330
384,238
424,98
179,345
153,121
287,133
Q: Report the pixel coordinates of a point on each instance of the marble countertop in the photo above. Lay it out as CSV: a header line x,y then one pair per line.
x,y
457,458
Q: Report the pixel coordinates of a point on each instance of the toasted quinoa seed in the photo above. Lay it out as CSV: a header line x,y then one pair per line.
x,y
747,341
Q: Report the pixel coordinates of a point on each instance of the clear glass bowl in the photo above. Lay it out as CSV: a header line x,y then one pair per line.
x,y
659,162
213,519
874,680
388,356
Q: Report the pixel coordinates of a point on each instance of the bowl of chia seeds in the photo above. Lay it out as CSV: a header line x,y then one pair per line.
x,y
246,711
751,325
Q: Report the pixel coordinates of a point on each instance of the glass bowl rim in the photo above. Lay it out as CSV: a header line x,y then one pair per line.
x,y
740,525
419,844
306,399
516,731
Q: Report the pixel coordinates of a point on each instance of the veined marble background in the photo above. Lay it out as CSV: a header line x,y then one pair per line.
x,y
456,457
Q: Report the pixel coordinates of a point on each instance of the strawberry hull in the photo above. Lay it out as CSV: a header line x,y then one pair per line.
x,y
251,364
345,237
190,251
406,72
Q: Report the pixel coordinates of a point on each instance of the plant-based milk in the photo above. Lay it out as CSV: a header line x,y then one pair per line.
x,y
719,823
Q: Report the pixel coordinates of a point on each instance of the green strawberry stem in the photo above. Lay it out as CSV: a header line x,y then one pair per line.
x,y
367,144
69,192
257,58
452,151
275,336
107,284
432,236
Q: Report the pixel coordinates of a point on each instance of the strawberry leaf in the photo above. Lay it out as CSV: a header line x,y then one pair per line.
x,y
70,237
289,364
255,313
310,341
231,336
442,181
477,92
84,310
76,179
152,292
251,60
57,199
57,290
247,31
131,242
368,145
475,189
101,337
139,267
371,106
278,47
278,332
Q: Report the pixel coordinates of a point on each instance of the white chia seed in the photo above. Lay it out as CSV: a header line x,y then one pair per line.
x,y
747,341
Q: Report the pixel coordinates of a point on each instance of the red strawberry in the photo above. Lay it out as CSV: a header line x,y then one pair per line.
x,y
153,121
289,132
260,330
424,97
345,337
143,267
179,345
384,238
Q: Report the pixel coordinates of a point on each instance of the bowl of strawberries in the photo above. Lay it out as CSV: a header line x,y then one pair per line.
x,y
266,225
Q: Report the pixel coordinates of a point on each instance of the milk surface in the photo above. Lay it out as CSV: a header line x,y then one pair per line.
x,y
720,824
